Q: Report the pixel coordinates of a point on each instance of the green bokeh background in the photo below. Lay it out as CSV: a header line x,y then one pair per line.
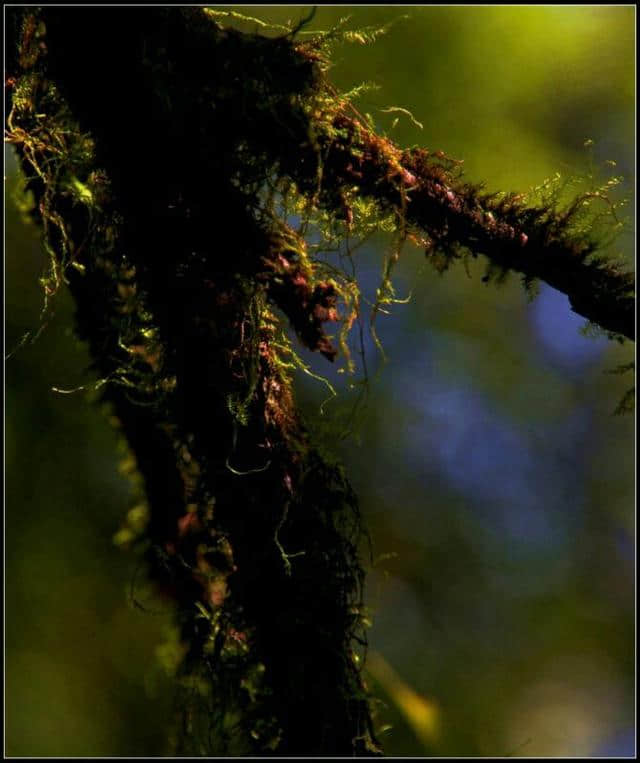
x,y
497,485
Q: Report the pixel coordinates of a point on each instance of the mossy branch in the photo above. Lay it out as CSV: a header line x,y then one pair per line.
x,y
160,148
537,241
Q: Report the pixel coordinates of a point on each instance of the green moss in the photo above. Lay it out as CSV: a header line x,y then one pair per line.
x,y
189,265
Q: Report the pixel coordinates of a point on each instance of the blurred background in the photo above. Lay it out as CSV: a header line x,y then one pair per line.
x,y
496,483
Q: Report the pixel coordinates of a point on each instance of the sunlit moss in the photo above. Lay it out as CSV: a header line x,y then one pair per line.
x,y
187,277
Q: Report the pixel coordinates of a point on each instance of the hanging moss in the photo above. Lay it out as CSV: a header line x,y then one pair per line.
x,y
177,167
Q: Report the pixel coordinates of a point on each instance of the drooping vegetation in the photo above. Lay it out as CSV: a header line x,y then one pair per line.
x,y
176,185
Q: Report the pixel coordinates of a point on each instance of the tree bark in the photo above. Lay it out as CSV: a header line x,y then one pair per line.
x,y
251,530
150,138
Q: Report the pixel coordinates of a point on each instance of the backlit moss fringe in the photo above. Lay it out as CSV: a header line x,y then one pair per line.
x,y
167,156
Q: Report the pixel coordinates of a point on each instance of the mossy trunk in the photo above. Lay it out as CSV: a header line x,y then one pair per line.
x,y
137,128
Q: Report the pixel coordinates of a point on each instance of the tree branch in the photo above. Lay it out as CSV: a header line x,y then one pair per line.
x,y
426,192
149,137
